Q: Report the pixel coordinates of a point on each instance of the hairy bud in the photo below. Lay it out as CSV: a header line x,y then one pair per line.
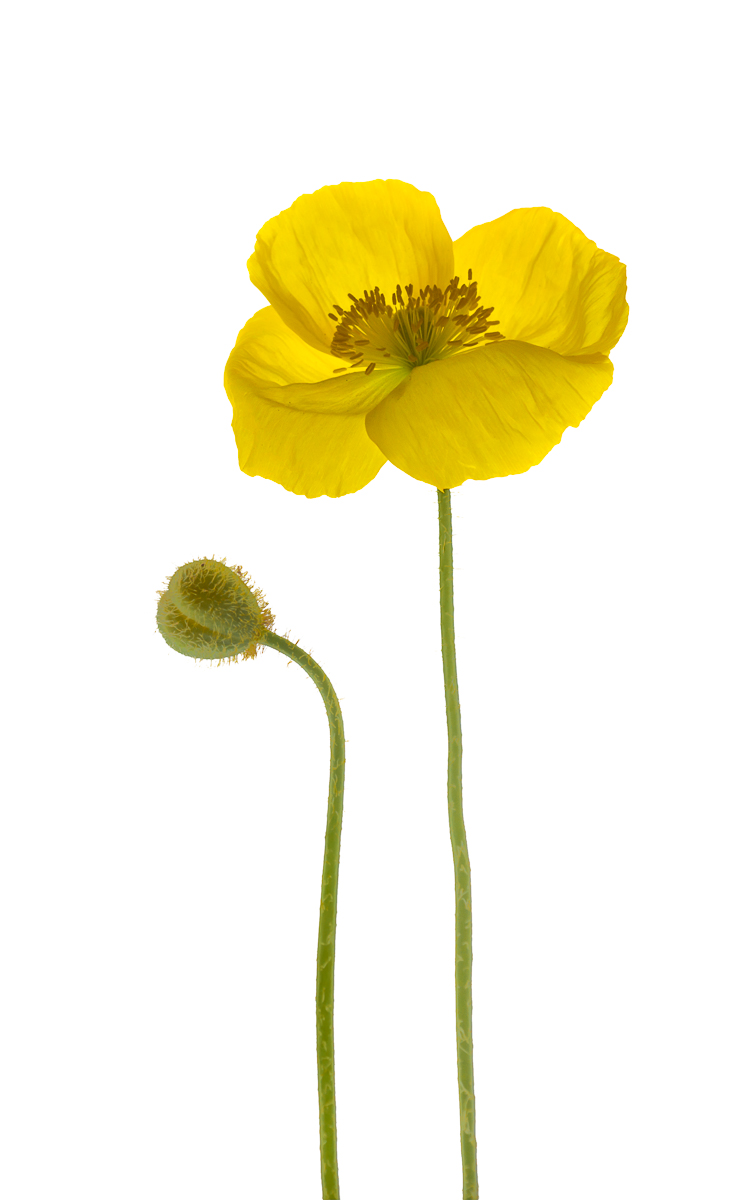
x,y
210,610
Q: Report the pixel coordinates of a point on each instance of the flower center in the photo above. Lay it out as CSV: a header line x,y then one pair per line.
x,y
412,329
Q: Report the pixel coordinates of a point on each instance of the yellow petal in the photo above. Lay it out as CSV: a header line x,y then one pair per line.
x,y
296,423
307,453
493,411
270,361
343,239
548,283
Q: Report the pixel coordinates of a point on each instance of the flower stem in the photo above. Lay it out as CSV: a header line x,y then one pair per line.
x,y
329,1170
461,869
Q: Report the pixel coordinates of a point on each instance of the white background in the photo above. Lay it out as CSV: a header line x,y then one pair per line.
x,y
162,828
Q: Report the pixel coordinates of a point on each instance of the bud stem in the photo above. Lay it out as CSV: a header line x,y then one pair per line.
x,y
327,928
461,869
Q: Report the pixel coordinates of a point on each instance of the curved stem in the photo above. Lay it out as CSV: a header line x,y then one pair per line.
x,y
327,928
461,869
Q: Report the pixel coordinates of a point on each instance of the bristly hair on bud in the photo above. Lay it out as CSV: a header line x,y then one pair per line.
x,y
212,611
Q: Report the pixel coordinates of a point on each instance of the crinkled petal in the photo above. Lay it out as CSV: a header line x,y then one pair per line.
x,y
311,454
548,283
494,411
293,421
270,361
345,239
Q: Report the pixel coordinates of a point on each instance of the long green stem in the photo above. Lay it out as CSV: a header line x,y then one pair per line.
x,y
461,869
329,1170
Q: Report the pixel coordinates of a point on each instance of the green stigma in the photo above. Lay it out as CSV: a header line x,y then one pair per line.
x,y
209,610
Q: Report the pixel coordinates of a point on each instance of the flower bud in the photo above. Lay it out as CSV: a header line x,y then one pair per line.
x,y
209,610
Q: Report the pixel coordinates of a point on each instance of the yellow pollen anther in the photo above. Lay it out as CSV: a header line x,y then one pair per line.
x,y
415,329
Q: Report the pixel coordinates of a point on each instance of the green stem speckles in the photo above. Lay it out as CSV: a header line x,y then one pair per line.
x,y
461,869
327,927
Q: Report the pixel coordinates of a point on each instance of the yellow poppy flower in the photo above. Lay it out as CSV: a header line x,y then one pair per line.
x,y
384,339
